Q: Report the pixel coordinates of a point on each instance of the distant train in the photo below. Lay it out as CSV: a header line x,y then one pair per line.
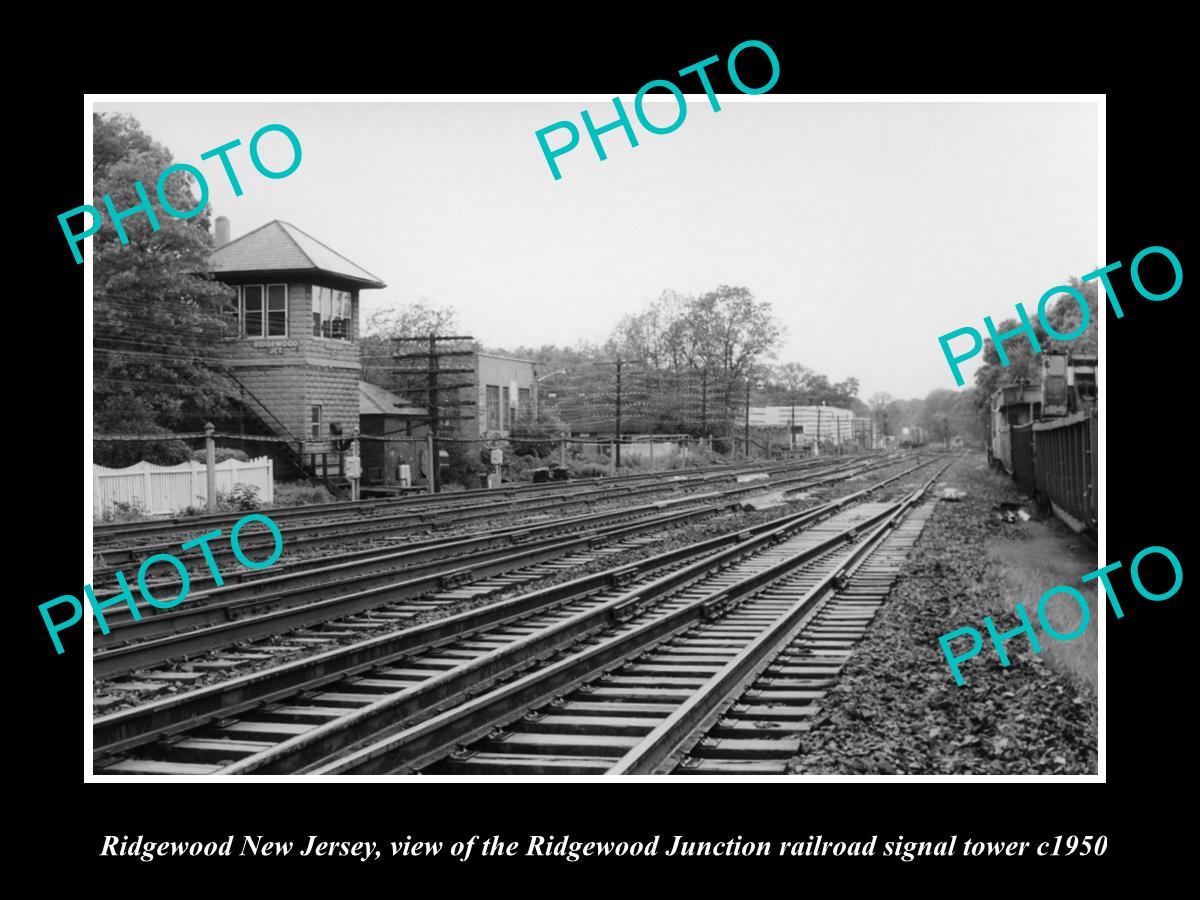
x,y
1045,437
913,436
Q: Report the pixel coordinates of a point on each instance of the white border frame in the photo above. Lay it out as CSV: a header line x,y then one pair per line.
x,y
1102,259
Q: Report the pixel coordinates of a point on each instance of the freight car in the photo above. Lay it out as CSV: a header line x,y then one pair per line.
x,y
1045,437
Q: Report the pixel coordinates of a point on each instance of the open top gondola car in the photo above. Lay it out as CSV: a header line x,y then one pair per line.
x,y
1065,441
1014,409
1045,437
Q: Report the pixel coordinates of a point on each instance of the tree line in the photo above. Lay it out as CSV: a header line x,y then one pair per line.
x,y
683,364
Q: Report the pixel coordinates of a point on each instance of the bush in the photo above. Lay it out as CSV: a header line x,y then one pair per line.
x,y
588,470
241,498
533,443
463,464
122,454
222,454
519,468
133,511
298,493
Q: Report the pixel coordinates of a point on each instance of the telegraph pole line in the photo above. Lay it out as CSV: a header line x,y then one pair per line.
x,y
618,423
435,404
435,421
747,417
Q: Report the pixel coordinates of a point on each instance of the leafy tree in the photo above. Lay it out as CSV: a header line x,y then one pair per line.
x,y
687,361
734,332
847,389
879,403
156,312
1064,315
791,377
377,344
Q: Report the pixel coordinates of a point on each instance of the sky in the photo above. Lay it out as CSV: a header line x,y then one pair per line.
x,y
871,228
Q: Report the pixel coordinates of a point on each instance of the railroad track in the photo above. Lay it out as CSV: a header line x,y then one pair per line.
x,y
296,716
114,533
638,698
400,585
302,538
755,723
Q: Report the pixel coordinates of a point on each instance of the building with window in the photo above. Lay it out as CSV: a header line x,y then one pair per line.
x,y
388,416
293,344
807,425
507,395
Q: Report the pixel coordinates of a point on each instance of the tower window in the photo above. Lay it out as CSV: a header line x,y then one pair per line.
x,y
331,313
264,310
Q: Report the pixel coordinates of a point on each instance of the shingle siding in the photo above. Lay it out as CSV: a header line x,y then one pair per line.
x,y
287,376
290,375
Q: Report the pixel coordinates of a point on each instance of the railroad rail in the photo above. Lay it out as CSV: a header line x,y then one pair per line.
x,y
295,716
631,700
395,583
109,535
301,537
119,531
753,721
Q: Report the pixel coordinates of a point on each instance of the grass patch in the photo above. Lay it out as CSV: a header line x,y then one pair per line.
x,y
297,493
1025,569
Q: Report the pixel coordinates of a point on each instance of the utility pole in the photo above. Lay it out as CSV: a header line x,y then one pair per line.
x,y
435,421
617,458
210,466
436,406
704,401
818,453
747,416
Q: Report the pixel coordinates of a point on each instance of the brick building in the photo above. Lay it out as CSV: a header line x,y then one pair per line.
x,y
296,353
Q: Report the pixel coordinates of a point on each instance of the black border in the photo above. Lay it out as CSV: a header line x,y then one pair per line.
x,y
1148,419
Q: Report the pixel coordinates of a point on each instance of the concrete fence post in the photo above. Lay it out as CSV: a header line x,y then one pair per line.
x,y
210,462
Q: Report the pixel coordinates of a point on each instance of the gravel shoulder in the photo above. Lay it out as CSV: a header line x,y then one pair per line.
x,y
896,708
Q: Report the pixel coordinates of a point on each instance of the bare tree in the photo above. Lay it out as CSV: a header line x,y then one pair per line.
x,y
879,403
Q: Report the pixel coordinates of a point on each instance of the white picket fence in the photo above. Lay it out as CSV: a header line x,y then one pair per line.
x,y
164,490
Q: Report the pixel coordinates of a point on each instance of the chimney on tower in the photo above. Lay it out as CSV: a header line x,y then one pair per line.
x,y
222,231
